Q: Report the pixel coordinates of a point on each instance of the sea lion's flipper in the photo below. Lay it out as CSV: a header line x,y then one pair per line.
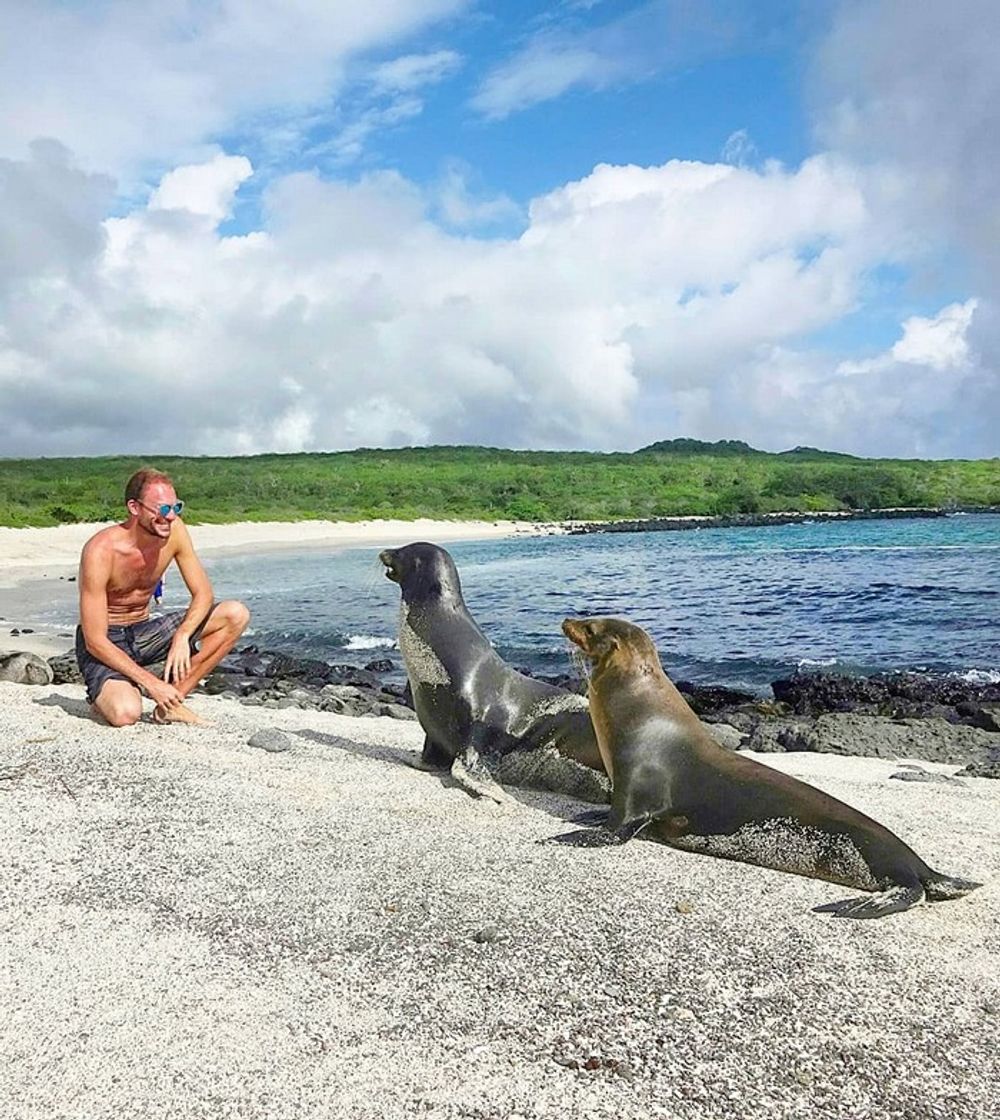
x,y
594,817
476,780
891,901
628,830
585,838
606,837
433,757
941,888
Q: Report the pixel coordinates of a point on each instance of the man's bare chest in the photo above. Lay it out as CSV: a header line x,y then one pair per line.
x,y
133,570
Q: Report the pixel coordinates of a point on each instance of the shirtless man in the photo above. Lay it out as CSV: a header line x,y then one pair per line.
x,y
116,638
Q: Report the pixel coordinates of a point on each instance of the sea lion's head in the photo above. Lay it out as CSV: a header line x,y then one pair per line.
x,y
423,571
612,643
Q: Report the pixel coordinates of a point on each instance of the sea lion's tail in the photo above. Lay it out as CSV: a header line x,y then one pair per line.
x,y
941,888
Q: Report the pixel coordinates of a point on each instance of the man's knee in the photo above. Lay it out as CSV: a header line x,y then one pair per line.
x,y
119,709
234,615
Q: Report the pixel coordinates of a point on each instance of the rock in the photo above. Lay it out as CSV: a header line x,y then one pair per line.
x,y
380,665
271,740
65,669
705,699
24,668
341,692
286,667
899,695
487,935
216,683
725,735
394,711
918,774
989,769
986,716
869,736
340,707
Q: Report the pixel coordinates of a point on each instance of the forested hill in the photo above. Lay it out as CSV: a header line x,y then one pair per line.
x,y
674,478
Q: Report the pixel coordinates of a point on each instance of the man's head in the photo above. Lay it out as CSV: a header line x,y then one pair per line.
x,y
148,493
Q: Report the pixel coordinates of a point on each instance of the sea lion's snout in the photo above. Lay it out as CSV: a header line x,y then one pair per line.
x,y
388,558
574,630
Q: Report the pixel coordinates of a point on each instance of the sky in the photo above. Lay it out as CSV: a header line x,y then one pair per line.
x,y
230,227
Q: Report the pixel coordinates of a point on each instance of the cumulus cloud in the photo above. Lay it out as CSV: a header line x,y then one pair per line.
x,y
632,304
928,395
910,93
352,317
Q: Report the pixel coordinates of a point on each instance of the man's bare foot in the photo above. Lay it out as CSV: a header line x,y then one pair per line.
x,y
179,714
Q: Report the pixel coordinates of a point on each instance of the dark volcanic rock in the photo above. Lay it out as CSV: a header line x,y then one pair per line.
x,y
983,769
380,665
896,695
65,669
287,667
709,699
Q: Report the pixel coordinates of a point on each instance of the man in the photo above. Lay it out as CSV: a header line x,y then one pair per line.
x,y
116,639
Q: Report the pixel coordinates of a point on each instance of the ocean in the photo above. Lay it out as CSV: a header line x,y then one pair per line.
x,y
737,607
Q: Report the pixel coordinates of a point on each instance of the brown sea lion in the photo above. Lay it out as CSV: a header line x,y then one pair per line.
x,y
674,783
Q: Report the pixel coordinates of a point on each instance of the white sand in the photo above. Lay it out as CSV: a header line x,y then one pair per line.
x,y
190,927
36,564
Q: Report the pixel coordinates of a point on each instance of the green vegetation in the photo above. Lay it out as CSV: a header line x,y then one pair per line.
x,y
677,478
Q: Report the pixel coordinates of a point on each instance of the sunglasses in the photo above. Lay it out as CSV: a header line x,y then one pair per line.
x,y
164,510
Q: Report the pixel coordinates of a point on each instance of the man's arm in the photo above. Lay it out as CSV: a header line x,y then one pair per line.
x,y
178,663
95,575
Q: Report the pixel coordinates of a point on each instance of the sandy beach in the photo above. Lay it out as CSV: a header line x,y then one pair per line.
x,y
38,566
194,927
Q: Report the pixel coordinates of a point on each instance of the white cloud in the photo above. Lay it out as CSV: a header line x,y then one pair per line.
x,y
927,396
463,208
128,84
564,55
351,317
939,343
738,149
542,71
207,189
411,71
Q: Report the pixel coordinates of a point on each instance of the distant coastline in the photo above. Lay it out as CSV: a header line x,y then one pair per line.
x,y
666,481
759,520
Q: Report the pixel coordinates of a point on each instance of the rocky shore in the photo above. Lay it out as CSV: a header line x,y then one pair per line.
x,y
757,520
920,717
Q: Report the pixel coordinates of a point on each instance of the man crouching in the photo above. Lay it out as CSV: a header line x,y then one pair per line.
x,y
116,639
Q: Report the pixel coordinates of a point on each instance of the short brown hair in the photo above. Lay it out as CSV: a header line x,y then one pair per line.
x,y
141,479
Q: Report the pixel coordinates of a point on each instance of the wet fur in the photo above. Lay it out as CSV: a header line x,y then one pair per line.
x,y
471,704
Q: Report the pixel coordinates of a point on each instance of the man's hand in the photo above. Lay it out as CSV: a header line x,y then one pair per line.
x,y
178,663
164,694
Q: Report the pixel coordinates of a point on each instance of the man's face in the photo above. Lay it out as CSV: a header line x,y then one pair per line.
x,y
147,509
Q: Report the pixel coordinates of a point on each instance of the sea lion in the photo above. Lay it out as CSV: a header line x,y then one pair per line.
x,y
674,783
483,720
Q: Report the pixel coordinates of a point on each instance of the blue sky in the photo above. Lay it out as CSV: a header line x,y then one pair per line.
x,y
573,224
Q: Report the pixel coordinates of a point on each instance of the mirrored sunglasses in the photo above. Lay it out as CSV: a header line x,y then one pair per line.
x,y
165,509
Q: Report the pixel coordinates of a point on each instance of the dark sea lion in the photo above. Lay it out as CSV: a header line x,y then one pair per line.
x,y
483,720
674,783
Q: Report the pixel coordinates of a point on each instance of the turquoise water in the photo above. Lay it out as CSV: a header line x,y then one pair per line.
x,y
726,606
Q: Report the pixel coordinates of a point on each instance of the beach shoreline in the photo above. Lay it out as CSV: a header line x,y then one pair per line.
x,y
328,932
39,564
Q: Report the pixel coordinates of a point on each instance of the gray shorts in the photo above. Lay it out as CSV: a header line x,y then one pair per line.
x,y
145,642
